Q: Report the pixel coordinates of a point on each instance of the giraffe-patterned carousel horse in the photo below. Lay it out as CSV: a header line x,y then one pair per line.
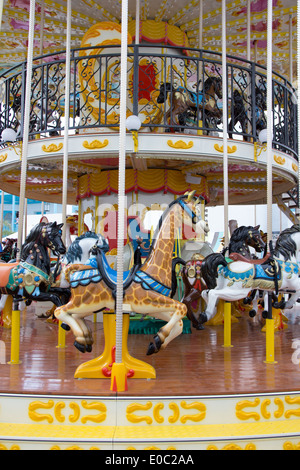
x,y
147,287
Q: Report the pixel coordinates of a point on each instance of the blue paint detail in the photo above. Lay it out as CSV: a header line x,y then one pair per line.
x,y
148,283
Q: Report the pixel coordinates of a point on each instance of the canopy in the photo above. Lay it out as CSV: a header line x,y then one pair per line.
x,y
51,26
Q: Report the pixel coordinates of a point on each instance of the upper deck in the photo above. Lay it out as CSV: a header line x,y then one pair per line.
x,y
177,95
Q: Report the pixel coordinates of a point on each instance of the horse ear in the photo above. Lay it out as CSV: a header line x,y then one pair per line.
x,y
191,195
257,227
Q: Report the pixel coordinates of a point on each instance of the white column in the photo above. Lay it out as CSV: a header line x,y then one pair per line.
x,y
121,192
137,22
269,121
200,24
67,115
248,29
225,139
291,47
26,125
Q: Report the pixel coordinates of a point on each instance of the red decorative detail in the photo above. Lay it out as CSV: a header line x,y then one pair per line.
x,y
106,371
114,388
197,285
146,81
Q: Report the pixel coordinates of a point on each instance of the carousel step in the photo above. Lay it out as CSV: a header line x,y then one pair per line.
x,y
244,436
266,421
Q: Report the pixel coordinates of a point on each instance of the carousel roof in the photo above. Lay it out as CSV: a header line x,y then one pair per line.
x,y
181,13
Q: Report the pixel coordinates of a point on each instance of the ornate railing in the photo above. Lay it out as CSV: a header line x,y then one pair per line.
x,y
175,91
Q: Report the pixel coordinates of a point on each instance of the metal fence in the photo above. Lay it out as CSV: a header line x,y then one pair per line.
x,y
175,91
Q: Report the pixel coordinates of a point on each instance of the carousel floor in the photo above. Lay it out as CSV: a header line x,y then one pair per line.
x,y
192,365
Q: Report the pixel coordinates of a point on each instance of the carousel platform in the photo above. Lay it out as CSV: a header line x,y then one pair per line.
x,y
204,396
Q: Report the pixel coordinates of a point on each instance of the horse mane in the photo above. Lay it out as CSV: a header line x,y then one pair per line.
x,y
160,222
285,245
208,82
31,239
75,250
240,232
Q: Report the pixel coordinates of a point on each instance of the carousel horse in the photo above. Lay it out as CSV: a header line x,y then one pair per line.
x,y
147,287
232,281
9,250
244,237
241,239
239,114
185,103
31,278
78,252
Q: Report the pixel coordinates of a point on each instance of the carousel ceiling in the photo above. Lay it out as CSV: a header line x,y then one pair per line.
x,y
181,13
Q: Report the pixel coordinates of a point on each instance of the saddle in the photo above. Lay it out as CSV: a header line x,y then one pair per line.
x,y
97,269
5,270
238,257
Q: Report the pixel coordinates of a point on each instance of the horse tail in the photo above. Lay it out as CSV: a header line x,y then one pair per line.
x,y
209,268
175,261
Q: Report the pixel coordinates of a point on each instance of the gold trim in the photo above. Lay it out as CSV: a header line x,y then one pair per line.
x,y
180,144
95,144
52,147
279,160
295,167
219,148
3,158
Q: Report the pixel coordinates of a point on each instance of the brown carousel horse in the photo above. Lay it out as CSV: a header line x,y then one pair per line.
x,y
147,287
185,103
241,239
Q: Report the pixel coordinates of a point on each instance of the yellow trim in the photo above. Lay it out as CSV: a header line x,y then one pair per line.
x,y
180,144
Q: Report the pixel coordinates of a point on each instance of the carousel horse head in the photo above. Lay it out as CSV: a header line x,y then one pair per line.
x,y
243,237
164,89
213,86
46,235
80,249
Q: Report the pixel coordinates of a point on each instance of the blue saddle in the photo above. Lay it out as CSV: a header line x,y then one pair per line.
x,y
93,274
98,269
196,98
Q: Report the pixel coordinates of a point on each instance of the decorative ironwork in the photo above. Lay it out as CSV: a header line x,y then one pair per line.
x,y
158,84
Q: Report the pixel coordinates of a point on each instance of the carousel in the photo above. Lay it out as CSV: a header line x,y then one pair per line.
x,y
144,114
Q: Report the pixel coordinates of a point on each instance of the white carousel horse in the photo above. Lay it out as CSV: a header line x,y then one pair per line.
x,y
79,253
233,281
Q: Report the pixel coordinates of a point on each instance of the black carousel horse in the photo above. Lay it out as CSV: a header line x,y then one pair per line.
x,y
241,239
185,104
244,237
9,250
239,114
32,277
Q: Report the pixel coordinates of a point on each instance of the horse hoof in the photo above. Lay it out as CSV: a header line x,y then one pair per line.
x,y
252,313
264,314
202,318
198,326
154,347
65,326
79,346
151,349
89,348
